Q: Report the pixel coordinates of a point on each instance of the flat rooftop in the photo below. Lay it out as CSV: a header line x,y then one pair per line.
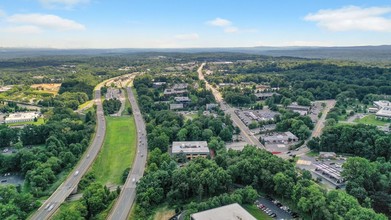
x,y
228,212
190,147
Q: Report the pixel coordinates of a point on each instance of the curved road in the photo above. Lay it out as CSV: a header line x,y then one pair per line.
x,y
50,206
248,136
122,207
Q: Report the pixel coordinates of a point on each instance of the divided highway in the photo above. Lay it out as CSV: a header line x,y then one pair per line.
x,y
50,206
247,135
123,205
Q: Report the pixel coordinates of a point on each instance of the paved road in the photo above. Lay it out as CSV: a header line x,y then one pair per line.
x,y
248,136
122,207
65,189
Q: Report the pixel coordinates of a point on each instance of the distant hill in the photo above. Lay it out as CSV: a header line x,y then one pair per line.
x,y
359,53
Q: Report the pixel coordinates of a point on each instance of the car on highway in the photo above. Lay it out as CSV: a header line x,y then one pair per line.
x,y
50,207
76,173
134,180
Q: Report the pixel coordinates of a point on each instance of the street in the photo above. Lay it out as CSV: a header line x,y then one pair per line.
x,y
248,136
50,206
124,203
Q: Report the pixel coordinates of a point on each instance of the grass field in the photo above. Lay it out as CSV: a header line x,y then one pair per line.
x,y
127,103
118,151
370,120
40,121
256,212
164,214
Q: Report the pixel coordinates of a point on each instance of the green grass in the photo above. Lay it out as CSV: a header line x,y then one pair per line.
x,y
256,212
312,154
127,103
118,151
370,120
85,104
40,121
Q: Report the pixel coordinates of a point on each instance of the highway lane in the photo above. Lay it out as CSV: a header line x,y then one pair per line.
x,y
124,203
248,136
65,189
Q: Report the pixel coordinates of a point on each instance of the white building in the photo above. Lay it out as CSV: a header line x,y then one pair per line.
x,y
280,138
384,109
191,149
21,117
228,212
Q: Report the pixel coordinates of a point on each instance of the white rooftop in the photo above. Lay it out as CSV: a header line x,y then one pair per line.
x,y
21,116
190,147
382,103
228,212
384,112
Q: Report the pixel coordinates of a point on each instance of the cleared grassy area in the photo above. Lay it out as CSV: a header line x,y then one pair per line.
x,y
86,104
256,212
164,213
370,120
118,151
312,154
127,103
40,121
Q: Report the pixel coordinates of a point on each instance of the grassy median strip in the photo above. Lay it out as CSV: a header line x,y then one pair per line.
x,y
118,151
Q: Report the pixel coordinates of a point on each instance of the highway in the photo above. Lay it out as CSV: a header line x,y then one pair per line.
x,y
124,203
50,206
248,136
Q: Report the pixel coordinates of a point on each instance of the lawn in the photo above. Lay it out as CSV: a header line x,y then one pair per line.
x,y
256,212
164,213
127,103
118,151
370,120
40,121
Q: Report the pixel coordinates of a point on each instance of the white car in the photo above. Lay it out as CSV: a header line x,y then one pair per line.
x,y
76,173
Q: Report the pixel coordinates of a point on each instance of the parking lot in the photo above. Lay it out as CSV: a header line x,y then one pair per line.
x,y
274,208
9,178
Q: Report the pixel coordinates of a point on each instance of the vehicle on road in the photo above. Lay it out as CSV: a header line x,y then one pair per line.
x,y
134,180
76,173
50,207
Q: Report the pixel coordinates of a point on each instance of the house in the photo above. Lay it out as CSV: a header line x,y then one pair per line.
x,y
21,117
191,149
180,86
280,138
228,212
176,106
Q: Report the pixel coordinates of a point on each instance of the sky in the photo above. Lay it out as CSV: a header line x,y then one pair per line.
x,y
193,23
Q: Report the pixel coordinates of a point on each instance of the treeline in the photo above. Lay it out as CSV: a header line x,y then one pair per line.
x,y
369,182
207,182
67,99
46,150
15,204
291,121
360,140
96,199
111,106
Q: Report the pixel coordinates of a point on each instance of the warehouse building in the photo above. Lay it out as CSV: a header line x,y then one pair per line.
x,y
228,212
192,149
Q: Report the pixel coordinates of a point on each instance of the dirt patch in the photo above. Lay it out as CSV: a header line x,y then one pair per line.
x,y
49,87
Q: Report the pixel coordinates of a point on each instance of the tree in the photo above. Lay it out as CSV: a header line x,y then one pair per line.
x,y
283,185
226,134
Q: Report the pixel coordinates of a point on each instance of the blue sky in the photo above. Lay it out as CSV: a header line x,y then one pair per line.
x,y
193,23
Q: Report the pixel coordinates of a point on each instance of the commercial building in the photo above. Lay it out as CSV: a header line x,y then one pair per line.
x,y
250,116
384,109
229,212
176,89
329,172
280,138
176,106
191,149
302,110
21,117
182,99
158,84
327,155
211,106
265,95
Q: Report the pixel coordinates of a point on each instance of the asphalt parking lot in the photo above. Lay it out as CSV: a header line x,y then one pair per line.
x,y
281,214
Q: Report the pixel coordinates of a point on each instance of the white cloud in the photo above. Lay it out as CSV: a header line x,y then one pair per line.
x,y
2,13
219,22
51,22
62,3
353,18
192,36
25,29
231,29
